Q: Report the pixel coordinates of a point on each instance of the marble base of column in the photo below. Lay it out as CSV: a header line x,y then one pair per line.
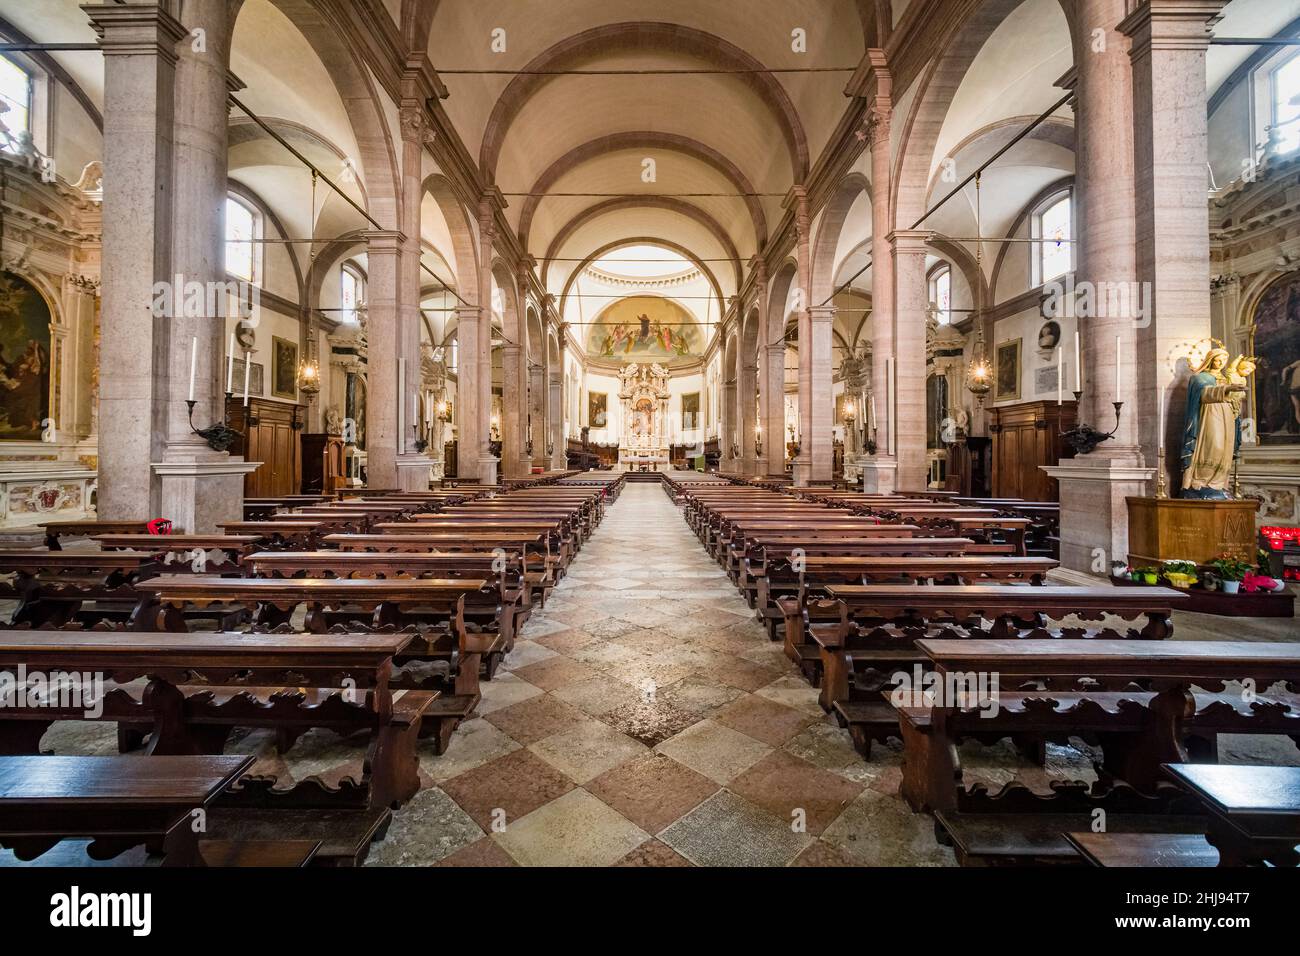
x,y
879,475
197,494
1094,514
487,470
803,471
414,472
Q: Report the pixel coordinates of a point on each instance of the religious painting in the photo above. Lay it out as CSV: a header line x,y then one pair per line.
x,y
597,409
1277,376
284,368
354,424
256,379
24,359
1007,371
644,328
690,411
936,409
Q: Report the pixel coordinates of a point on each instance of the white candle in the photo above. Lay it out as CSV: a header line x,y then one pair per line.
x,y
873,410
1160,423
1117,365
230,363
1060,375
248,363
194,358
1078,366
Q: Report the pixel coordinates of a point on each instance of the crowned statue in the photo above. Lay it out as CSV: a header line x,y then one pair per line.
x,y
1212,427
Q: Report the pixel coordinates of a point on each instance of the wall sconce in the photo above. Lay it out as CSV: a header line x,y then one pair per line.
x,y
443,411
495,429
758,439
850,413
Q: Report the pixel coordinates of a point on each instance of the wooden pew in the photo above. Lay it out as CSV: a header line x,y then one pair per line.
x,y
54,530
201,553
1253,812
1085,691
115,802
53,587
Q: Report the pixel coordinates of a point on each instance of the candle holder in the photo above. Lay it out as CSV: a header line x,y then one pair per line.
x,y
219,436
1083,438
1160,475
420,443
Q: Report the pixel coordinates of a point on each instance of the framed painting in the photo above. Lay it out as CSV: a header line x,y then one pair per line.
x,y
25,320
597,409
256,379
1006,369
284,368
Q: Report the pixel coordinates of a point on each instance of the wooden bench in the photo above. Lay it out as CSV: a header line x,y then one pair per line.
x,y
1254,812
116,802
54,530
53,587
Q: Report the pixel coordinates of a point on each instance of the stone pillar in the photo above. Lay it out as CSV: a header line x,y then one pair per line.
x,y
559,453
1169,39
771,355
514,404
417,86
469,436
821,323
1093,487
482,358
139,47
383,337
911,303
879,472
538,428
730,420
747,395
198,487
816,451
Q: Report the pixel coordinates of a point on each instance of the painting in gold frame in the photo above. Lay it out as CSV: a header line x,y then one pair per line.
x,y
1006,371
284,368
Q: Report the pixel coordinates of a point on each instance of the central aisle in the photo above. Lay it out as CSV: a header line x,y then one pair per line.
x,y
644,718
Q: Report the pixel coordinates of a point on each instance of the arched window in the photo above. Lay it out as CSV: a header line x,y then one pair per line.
x,y
1284,97
16,92
352,292
1054,225
243,229
941,294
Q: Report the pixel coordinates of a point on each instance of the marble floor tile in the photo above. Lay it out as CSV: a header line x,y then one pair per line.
x,y
652,791
574,830
718,752
587,750
727,830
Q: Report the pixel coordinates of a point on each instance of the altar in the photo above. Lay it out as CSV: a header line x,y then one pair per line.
x,y
643,391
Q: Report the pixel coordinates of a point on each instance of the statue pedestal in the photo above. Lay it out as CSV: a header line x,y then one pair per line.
x,y
1160,529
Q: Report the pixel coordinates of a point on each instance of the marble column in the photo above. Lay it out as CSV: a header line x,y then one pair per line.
x,y
821,324
482,358
139,48
816,450
197,486
538,429
771,356
555,417
469,436
911,303
730,426
747,396
383,338
1168,43
1093,487
417,87
879,472
514,393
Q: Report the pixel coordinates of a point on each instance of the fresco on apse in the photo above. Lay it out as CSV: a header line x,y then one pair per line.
x,y
24,359
644,328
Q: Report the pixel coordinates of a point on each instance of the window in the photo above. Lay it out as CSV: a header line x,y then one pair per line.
x,y
16,92
352,292
1053,225
1286,106
941,295
241,235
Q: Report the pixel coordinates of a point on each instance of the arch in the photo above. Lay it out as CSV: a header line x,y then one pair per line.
x,y
352,82
938,86
642,240
1065,182
961,258
641,36
458,226
643,140
828,234
656,202
777,294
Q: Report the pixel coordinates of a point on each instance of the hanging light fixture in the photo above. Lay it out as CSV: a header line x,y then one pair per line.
x,y
979,374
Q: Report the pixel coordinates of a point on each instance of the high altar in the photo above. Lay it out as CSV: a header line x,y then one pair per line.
x,y
643,390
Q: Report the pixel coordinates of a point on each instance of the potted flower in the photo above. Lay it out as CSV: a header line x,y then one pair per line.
x,y
1260,582
1230,571
1149,575
1181,574
1119,569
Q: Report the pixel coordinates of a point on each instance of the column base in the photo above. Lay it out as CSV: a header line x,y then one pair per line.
x,y
197,494
802,472
487,470
1094,513
879,475
414,472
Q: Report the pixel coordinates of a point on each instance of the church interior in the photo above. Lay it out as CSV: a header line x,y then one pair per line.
x,y
659,433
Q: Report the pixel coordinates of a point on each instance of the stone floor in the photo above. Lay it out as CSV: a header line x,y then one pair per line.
x,y
644,719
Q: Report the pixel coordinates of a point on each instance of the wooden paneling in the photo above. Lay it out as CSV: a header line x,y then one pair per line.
x,y
1025,438
323,468
271,436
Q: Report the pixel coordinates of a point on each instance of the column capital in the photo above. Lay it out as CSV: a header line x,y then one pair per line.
x,y
872,77
136,29
822,313
1069,81
464,312
775,348
759,266
909,240
383,241
1171,25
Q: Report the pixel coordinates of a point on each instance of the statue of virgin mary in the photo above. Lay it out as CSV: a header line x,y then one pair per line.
x,y
1211,430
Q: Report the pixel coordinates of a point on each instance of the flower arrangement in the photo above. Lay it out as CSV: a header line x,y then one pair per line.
x,y
1231,570
1181,574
